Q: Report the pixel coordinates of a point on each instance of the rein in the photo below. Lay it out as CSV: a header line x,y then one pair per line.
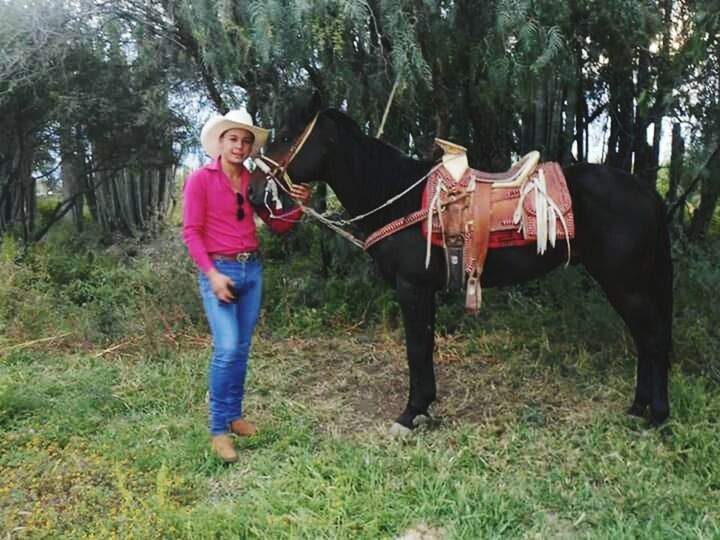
x,y
280,170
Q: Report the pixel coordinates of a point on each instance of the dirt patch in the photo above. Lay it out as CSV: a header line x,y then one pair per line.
x,y
423,532
360,382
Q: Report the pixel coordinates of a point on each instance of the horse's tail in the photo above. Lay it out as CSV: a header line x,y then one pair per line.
x,y
663,276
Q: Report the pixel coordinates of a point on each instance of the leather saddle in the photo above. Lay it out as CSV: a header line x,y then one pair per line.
x,y
531,197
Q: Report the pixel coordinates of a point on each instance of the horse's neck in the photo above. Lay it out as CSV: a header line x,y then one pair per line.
x,y
366,175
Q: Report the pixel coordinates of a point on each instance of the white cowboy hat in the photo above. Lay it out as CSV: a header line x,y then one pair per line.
x,y
218,124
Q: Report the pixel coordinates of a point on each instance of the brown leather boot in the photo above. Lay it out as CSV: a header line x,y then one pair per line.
x,y
223,448
242,428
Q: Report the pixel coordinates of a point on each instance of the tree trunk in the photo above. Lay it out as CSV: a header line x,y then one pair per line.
x,y
71,172
581,123
709,193
620,142
91,197
555,123
645,166
566,156
676,167
26,198
541,102
676,164
9,167
665,82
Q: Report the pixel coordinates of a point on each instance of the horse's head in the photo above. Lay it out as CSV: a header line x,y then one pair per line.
x,y
293,155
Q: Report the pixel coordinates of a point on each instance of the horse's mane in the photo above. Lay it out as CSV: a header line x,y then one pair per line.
x,y
371,143
388,169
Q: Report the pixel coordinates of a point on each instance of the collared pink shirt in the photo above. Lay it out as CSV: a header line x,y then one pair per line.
x,y
210,223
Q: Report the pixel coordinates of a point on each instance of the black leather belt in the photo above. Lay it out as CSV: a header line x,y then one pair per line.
x,y
242,257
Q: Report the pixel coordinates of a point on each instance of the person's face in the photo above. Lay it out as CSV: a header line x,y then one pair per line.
x,y
236,145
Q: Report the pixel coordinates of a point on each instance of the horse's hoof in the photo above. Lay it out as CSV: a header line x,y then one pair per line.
x,y
658,420
422,420
398,430
636,411
665,430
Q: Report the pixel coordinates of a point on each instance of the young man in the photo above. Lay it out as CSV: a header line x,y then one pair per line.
x,y
219,231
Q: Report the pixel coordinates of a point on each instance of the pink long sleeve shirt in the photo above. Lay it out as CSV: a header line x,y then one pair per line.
x,y
210,224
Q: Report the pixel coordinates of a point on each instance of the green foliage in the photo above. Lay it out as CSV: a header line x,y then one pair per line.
x,y
65,288
117,447
16,402
465,70
45,209
696,335
532,390
125,88
99,91
299,298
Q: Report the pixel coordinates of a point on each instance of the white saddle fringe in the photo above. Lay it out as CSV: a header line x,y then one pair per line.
x,y
546,211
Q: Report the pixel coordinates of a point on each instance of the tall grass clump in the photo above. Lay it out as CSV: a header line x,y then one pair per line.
x,y
317,283
697,311
72,287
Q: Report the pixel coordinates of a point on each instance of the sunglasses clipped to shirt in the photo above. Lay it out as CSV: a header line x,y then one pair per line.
x,y
240,211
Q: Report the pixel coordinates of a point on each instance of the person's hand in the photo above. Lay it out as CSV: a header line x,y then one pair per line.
x,y
220,284
301,193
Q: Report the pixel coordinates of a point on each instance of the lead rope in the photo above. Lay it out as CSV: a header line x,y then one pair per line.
x,y
336,225
306,209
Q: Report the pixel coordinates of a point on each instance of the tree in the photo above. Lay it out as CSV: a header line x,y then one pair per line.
x,y
115,91
98,97
33,48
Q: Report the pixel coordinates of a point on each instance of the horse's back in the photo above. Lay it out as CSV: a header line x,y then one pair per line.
x,y
616,215
616,192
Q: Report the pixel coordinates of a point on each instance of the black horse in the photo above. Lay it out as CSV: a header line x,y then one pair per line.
x,y
620,237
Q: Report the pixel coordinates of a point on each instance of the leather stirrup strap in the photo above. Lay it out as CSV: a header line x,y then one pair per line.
x,y
479,240
481,224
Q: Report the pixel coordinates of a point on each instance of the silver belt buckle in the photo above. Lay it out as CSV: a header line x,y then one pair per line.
x,y
244,257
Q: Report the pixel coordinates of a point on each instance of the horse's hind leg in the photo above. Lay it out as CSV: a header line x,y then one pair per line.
x,y
648,314
640,309
651,337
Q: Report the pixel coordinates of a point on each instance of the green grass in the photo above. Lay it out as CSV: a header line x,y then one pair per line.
x,y
103,366
113,447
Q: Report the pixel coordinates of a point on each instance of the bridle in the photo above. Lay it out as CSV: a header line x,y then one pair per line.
x,y
280,169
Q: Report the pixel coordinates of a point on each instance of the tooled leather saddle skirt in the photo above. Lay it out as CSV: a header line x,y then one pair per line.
x,y
482,211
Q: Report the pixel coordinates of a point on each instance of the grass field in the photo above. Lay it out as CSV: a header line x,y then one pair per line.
x,y
116,447
107,439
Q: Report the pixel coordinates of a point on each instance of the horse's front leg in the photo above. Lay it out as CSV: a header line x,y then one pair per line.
x,y
417,302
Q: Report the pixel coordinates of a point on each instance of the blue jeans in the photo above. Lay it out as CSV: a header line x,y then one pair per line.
x,y
232,327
